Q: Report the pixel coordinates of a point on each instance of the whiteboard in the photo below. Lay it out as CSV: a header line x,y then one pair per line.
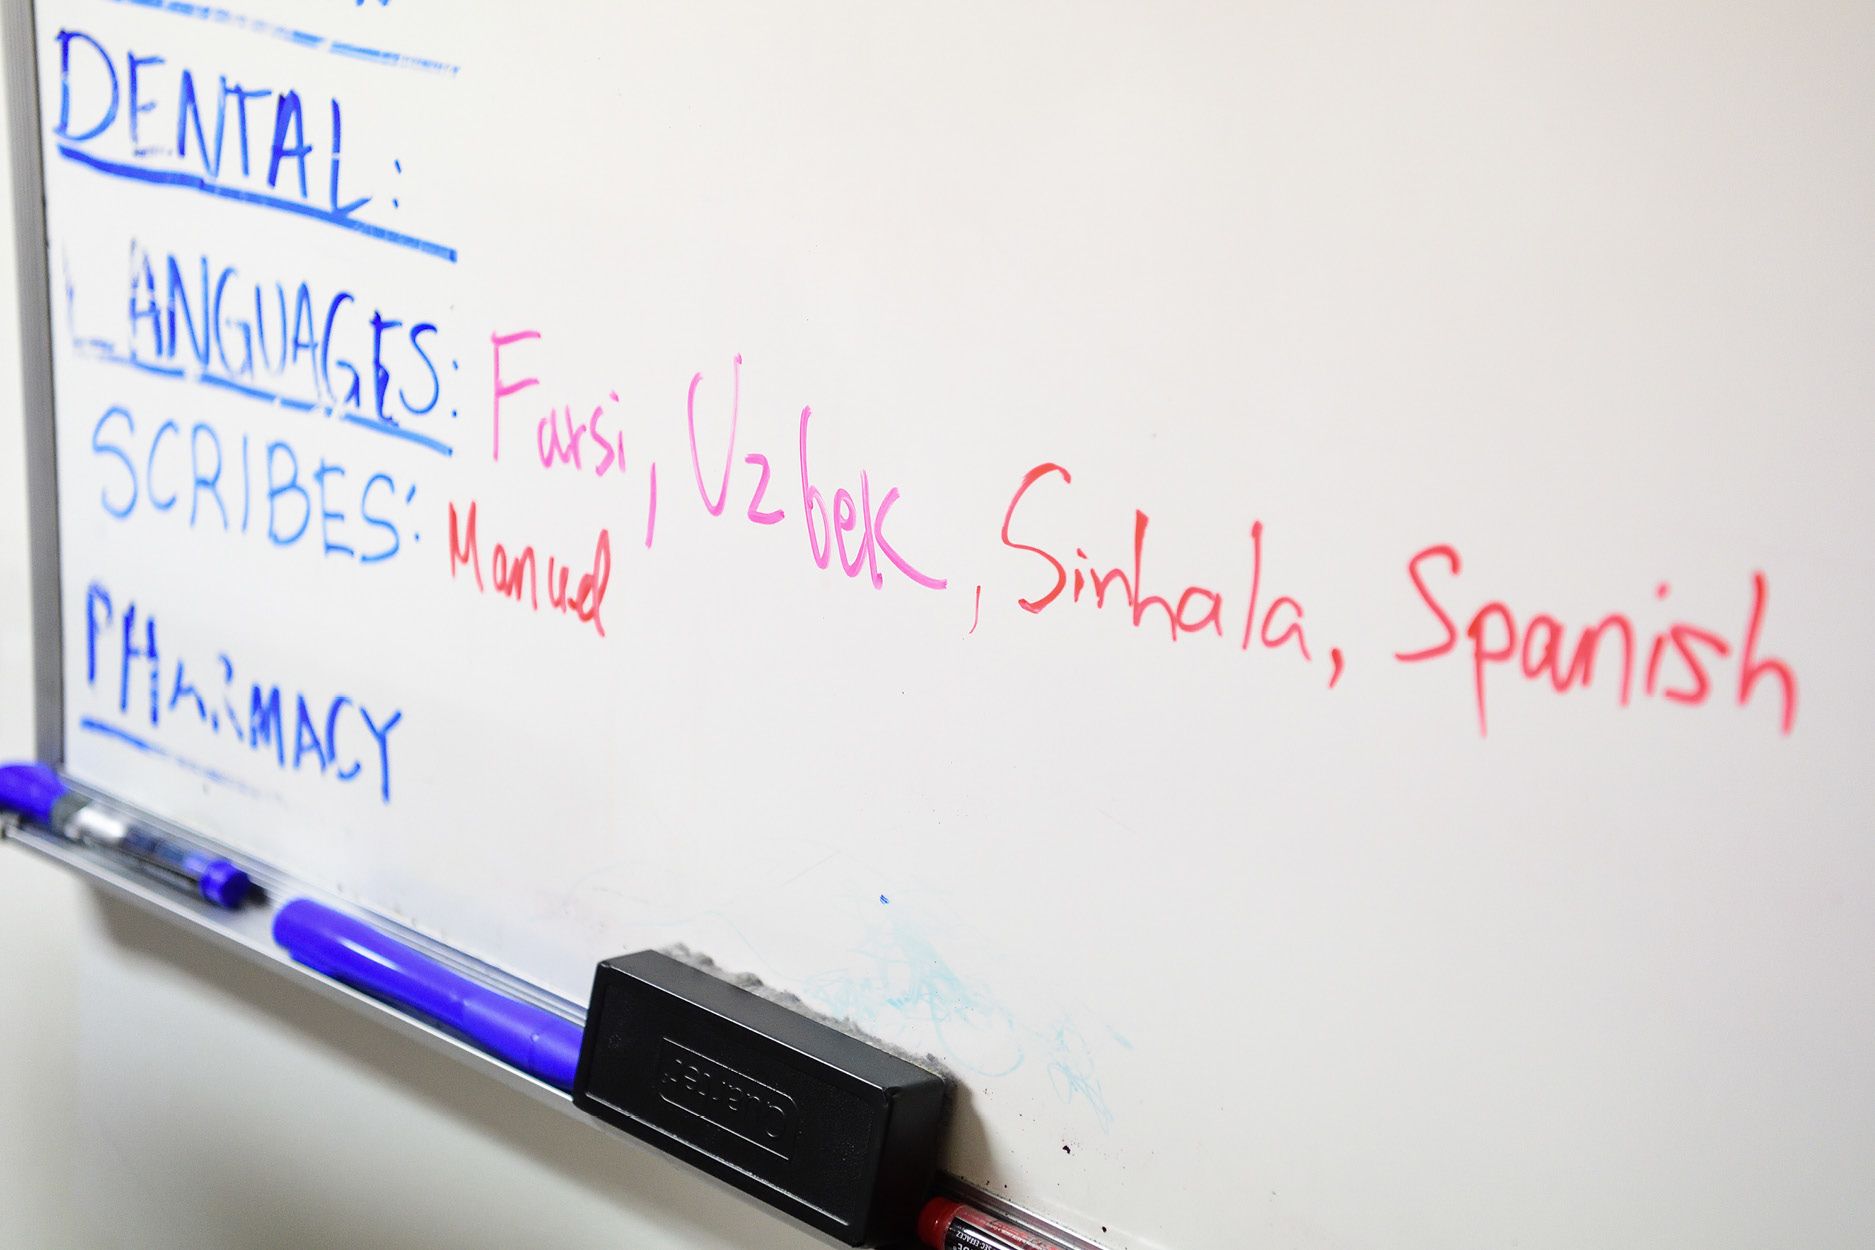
x,y
1279,587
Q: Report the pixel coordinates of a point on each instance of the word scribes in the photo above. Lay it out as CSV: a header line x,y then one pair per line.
x,y
244,484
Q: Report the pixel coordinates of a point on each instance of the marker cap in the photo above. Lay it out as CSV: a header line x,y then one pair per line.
x,y
935,1220
223,884
945,1224
30,790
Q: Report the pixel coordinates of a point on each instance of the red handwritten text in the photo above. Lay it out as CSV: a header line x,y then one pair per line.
x,y
515,574
1679,658
1199,609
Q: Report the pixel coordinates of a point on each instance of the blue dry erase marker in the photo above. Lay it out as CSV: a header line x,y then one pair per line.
x,y
347,949
35,792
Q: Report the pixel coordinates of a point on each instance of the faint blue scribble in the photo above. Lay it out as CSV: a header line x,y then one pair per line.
x,y
905,987
1071,1070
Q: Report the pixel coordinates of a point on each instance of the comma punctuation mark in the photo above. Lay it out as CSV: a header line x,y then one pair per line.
x,y
651,508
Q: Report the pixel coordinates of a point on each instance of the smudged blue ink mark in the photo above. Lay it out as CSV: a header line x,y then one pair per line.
x,y
161,371
92,725
384,425
910,984
379,56
239,388
299,208
884,899
300,38
1071,1072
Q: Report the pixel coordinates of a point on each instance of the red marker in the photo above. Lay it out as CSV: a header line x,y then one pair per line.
x,y
948,1225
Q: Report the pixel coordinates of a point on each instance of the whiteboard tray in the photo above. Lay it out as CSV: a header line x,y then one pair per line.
x,y
249,932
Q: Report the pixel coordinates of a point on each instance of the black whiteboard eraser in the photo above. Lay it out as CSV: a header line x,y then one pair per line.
x,y
837,1133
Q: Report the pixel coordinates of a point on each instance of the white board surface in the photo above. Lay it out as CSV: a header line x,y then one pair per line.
x,y
1447,335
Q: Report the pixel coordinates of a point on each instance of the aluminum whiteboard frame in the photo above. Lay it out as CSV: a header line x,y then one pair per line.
x,y
19,71
247,932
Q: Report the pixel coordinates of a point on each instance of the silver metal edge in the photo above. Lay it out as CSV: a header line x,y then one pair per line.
x,y
248,933
19,74
254,923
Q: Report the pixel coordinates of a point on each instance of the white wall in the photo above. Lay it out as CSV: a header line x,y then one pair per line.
x,y
155,1092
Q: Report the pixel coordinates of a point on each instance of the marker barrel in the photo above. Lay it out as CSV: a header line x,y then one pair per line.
x,y
180,867
348,949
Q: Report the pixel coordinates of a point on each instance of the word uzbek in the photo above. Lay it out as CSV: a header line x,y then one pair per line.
x,y
1677,663
828,527
267,488
1199,609
848,526
209,698
517,573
